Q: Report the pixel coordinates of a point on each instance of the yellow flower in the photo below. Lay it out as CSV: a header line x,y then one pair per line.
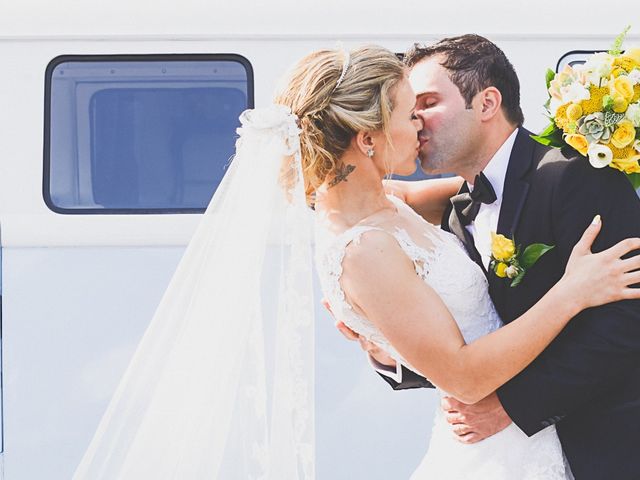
x,y
625,62
561,119
633,54
617,71
574,112
502,248
624,154
577,141
620,104
636,93
624,135
501,270
594,104
629,165
621,86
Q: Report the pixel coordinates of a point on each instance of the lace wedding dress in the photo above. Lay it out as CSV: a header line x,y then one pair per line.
x,y
441,261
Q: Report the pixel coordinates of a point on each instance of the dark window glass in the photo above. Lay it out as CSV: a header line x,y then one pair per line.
x,y
142,133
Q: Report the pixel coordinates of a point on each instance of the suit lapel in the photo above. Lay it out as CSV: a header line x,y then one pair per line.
x,y
516,183
516,188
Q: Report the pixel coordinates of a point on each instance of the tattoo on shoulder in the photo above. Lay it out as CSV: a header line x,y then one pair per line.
x,y
342,174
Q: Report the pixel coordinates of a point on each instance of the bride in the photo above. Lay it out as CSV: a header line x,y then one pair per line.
x,y
221,384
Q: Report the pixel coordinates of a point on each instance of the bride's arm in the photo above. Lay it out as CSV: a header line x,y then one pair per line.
x,y
427,197
380,281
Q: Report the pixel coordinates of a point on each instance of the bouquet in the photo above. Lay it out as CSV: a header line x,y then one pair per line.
x,y
595,109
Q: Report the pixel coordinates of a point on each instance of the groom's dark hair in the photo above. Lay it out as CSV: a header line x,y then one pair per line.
x,y
475,63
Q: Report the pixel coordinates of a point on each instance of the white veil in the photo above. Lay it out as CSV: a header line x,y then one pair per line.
x,y
221,385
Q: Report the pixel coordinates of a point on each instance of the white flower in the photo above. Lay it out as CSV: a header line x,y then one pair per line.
x,y
633,114
511,271
600,156
274,119
636,145
574,93
597,66
273,116
634,76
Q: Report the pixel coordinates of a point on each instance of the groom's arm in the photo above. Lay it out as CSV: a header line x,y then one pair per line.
x,y
429,198
602,345
403,379
398,376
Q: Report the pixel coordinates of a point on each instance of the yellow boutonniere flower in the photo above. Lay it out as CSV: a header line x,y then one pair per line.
x,y
509,261
501,269
502,248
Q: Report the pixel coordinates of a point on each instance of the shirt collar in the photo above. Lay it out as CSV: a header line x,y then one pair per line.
x,y
496,169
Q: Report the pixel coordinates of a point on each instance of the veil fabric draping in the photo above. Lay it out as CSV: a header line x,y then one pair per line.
x,y
221,384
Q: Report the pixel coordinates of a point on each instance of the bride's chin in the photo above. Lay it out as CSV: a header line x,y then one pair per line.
x,y
409,170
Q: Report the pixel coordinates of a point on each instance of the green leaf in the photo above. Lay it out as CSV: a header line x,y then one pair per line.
x,y
550,136
549,129
549,76
516,281
532,253
634,178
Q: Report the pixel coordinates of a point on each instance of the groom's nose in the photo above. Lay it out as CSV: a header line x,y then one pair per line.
x,y
422,116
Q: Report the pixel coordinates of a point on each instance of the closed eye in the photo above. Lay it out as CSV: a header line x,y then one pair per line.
x,y
426,101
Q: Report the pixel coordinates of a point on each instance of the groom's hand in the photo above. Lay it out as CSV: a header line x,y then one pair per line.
x,y
473,423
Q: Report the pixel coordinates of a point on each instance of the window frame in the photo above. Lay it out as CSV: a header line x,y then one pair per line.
x,y
565,59
177,57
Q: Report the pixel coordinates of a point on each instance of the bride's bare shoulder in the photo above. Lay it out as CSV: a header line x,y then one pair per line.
x,y
374,253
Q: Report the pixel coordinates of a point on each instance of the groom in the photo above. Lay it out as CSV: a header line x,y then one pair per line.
x,y
587,381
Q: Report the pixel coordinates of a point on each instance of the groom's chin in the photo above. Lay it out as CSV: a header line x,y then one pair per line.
x,y
428,169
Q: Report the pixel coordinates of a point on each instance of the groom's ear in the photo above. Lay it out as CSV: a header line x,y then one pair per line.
x,y
490,102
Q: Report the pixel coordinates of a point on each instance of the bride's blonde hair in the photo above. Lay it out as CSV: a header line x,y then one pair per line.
x,y
331,113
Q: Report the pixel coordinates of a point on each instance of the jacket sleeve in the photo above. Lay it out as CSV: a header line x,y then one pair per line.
x,y
601,346
408,379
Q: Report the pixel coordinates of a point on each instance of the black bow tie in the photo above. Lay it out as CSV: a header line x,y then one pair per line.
x,y
468,204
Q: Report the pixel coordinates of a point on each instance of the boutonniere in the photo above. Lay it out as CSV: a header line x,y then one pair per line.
x,y
509,261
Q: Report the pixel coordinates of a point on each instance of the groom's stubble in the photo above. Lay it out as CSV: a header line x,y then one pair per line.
x,y
451,131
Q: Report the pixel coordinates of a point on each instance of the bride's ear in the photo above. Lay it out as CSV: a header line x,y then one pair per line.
x,y
365,143
490,102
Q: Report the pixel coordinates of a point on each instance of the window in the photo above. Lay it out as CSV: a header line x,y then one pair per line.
x,y
140,133
419,174
574,57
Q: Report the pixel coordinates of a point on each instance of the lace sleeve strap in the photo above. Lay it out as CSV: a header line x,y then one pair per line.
x,y
329,261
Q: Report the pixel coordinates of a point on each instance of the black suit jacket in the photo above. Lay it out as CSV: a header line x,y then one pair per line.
x,y
588,380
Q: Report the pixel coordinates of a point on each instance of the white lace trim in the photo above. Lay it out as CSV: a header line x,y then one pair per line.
x,y
461,284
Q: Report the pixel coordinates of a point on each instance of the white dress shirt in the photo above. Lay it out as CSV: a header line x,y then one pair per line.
x,y
487,219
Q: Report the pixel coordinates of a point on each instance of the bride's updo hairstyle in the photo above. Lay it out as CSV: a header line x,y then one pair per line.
x,y
332,112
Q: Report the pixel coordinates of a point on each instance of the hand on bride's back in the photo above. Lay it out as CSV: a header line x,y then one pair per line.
x,y
598,278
